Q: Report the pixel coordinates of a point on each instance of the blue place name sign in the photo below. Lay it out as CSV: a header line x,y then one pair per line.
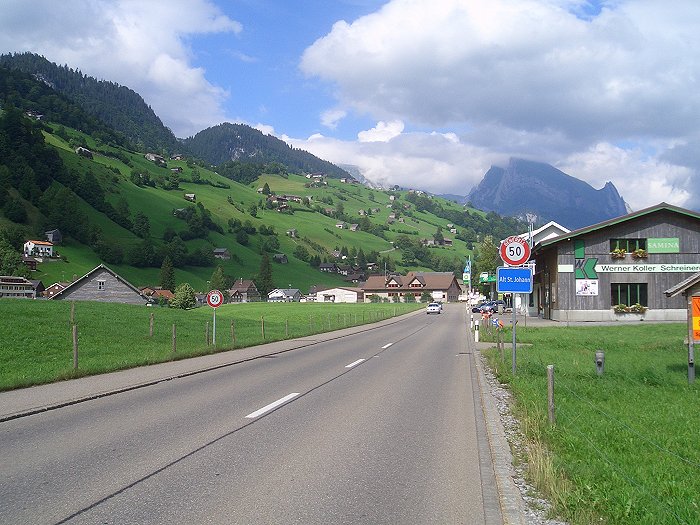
x,y
513,280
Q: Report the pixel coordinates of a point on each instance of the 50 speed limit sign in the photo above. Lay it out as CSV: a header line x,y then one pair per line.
x,y
215,298
515,251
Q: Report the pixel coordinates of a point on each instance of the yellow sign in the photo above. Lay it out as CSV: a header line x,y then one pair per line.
x,y
696,318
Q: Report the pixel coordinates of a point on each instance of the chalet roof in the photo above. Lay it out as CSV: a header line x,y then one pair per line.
x,y
432,280
348,288
163,293
242,285
683,286
618,220
287,292
87,276
41,243
12,279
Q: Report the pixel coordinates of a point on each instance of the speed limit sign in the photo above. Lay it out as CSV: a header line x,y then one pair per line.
x,y
215,298
515,251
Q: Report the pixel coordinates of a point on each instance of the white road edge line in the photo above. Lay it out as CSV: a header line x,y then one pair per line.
x,y
387,346
354,363
269,407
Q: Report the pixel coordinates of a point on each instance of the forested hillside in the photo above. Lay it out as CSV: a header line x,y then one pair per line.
x,y
117,106
22,91
238,142
115,206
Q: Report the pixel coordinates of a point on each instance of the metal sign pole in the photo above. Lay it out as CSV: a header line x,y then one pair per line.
x,y
514,323
213,335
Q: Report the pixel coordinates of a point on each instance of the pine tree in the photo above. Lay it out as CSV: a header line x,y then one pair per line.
x,y
264,281
167,275
218,280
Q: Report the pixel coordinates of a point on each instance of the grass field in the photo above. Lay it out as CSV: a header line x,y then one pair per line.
x,y
36,336
624,447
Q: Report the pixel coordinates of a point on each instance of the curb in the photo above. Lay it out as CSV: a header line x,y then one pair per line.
x,y
511,500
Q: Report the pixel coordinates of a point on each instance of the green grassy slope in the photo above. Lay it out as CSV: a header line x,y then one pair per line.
x,y
227,200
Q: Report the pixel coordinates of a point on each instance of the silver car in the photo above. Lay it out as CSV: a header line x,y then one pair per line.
x,y
434,308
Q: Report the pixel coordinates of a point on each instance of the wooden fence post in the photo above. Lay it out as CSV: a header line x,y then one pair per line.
x,y
262,326
75,347
233,332
150,326
286,328
550,394
174,339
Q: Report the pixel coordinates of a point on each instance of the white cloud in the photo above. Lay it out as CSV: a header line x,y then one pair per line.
x,y
431,161
641,180
332,117
526,64
382,132
265,128
138,44
533,78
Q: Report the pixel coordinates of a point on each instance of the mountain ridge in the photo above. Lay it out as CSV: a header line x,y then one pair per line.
x,y
538,189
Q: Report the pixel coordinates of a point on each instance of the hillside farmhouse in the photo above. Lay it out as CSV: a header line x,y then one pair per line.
x,y
11,286
442,286
286,295
38,249
103,285
244,291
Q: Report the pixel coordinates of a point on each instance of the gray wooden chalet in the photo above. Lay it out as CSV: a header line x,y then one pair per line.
x,y
54,236
222,253
104,285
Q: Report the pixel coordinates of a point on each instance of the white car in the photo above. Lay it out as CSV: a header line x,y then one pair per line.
x,y
434,308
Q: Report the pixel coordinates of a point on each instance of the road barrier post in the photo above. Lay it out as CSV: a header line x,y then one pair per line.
x,y
550,394
75,347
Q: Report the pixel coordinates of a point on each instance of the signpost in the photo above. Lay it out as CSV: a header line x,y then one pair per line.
x,y
215,299
515,251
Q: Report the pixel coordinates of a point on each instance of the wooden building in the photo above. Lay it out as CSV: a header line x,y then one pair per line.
x,y
244,291
442,286
12,286
104,285
618,270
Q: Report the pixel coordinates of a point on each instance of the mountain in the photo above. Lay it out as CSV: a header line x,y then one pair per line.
x,y
459,199
239,142
119,107
539,189
62,166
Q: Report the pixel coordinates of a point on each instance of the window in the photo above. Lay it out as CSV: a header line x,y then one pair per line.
x,y
100,285
629,245
628,294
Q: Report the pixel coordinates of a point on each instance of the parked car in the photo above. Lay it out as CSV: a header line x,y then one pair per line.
x,y
492,306
476,309
433,308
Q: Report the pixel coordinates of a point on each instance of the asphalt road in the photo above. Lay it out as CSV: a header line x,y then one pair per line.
x,y
384,426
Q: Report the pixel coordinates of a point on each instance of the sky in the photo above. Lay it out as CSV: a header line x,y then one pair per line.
x,y
427,94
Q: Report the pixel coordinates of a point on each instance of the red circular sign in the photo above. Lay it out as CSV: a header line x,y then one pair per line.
x,y
215,298
515,251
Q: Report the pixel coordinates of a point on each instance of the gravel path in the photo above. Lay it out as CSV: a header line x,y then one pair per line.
x,y
537,508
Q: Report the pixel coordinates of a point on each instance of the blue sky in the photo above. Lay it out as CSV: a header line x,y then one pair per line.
x,y
262,62
421,93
